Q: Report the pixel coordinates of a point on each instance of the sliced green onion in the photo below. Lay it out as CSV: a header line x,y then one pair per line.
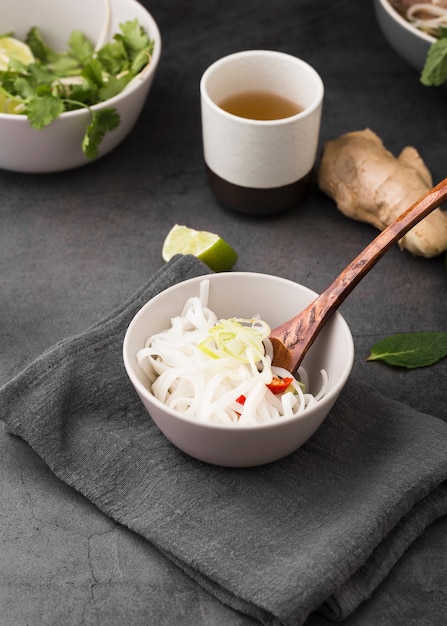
x,y
236,337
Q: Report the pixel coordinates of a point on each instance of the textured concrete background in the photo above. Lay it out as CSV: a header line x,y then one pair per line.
x,y
75,245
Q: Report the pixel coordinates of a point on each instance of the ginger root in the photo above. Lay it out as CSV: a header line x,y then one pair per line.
x,y
369,184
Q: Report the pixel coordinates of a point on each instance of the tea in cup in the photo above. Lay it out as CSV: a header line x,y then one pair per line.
x,y
261,115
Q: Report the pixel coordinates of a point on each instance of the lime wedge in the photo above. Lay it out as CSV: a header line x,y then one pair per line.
x,y
9,104
210,248
11,48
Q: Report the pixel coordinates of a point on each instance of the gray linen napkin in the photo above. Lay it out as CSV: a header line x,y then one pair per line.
x,y
319,529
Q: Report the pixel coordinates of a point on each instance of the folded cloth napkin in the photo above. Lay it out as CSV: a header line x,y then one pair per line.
x,y
319,529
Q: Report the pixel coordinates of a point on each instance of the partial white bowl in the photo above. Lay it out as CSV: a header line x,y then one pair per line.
x,y
409,42
242,294
58,146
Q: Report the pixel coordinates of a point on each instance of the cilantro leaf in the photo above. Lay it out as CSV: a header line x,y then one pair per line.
x,y
92,71
113,86
42,110
410,350
24,88
39,48
102,122
39,76
80,47
134,38
65,65
139,62
82,93
113,57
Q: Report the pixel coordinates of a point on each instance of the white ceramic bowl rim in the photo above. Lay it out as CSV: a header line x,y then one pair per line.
x,y
308,110
405,23
144,391
147,71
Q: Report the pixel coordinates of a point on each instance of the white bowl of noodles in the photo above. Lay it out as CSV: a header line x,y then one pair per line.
x,y
409,41
244,295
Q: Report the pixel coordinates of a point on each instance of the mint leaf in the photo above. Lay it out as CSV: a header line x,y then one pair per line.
x,y
434,72
102,122
410,350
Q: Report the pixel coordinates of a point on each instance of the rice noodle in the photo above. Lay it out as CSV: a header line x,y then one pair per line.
x,y
427,17
204,383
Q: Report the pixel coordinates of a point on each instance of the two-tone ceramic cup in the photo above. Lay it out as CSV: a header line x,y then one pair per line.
x,y
261,116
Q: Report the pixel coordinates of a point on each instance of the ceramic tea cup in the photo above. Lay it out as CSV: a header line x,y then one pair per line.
x,y
261,114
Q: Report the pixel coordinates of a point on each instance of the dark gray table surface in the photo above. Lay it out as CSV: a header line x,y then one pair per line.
x,y
74,245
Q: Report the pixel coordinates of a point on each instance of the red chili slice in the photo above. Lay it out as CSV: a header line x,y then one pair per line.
x,y
241,400
279,385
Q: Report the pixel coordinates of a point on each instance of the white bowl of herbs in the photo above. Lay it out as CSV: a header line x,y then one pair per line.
x,y
74,77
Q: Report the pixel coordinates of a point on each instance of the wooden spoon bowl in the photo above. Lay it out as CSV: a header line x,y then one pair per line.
x,y
292,339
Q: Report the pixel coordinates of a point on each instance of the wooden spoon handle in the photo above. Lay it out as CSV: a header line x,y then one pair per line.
x,y
292,339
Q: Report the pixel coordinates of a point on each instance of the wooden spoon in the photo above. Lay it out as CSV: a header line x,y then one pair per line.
x,y
292,339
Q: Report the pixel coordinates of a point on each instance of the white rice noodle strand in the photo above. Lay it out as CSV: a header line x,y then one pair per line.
x,y
218,389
